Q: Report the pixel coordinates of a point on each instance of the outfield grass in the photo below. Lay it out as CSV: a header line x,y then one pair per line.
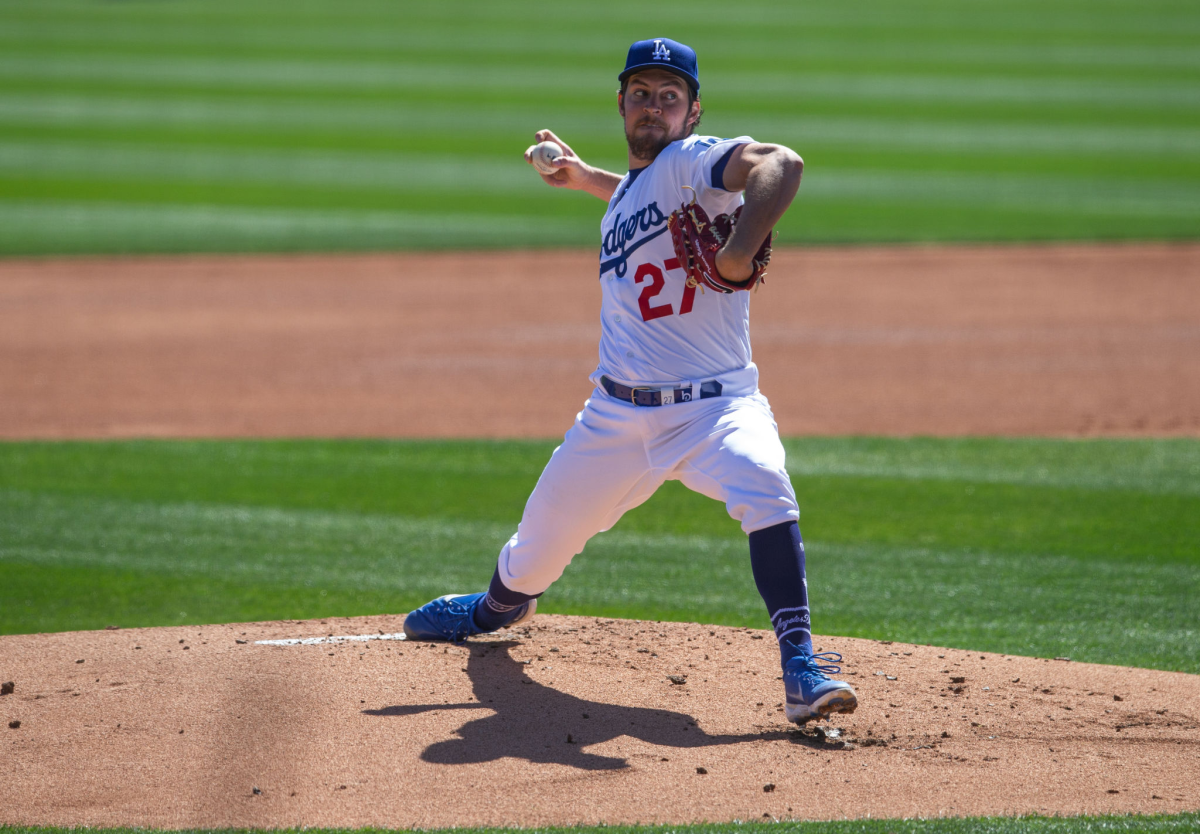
x,y
1088,549
231,125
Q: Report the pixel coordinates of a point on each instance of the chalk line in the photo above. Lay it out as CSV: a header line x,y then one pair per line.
x,y
346,638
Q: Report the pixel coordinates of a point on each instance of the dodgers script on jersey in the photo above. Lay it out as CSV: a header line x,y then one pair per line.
x,y
655,330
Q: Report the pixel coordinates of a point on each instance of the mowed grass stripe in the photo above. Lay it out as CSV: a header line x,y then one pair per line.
x,y
231,166
1116,93
980,140
247,543
1120,196
295,76
1097,500
977,140
932,122
1005,26
1098,101
118,227
312,77
937,22
412,173
1155,467
818,46
1018,604
146,116
145,222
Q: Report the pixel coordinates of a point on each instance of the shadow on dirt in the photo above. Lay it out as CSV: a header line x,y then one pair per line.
x,y
531,721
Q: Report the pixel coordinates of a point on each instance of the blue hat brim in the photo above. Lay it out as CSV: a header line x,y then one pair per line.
x,y
691,80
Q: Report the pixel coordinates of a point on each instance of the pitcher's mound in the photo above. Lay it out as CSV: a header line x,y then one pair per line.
x,y
570,720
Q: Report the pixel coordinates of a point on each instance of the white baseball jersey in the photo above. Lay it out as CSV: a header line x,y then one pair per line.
x,y
656,331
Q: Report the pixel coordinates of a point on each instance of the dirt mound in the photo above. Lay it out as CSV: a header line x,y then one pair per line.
x,y
570,720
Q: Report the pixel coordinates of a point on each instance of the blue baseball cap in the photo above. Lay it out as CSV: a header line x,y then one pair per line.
x,y
664,54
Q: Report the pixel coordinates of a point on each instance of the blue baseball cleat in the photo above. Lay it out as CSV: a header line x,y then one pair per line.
x,y
451,618
811,693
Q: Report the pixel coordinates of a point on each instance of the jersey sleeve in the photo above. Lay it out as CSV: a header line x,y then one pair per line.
x,y
710,156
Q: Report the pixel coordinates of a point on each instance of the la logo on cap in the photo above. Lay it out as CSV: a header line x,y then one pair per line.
x,y
660,53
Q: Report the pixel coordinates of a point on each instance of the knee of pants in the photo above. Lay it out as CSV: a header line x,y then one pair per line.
x,y
765,503
762,512
757,497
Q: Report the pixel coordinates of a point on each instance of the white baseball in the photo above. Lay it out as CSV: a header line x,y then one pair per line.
x,y
543,152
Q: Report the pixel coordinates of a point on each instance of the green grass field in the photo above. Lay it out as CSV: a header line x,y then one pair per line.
x,y
234,125
1088,549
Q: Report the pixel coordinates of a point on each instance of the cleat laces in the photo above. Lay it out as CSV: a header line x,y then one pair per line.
x,y
813,669
455,620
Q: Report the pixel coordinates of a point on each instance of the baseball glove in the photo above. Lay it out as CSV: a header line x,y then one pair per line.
x,y
697,241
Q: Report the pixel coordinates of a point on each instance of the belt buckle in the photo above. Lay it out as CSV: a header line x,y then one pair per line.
x,y
633,394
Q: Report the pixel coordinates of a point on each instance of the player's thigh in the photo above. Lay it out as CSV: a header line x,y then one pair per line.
x,y
602,460
738,459
598,473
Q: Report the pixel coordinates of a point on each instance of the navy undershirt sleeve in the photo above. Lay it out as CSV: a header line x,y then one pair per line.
x,y
718,170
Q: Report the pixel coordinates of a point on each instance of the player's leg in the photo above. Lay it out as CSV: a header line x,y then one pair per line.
x,y
598,473
739,460
777,559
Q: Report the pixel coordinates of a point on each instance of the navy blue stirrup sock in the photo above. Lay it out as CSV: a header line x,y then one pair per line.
x,y
777,559
501,606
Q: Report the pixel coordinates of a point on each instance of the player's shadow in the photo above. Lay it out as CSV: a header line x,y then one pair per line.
x,y
531,721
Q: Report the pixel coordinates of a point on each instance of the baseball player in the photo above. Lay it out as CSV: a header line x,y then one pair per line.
x,y
676,394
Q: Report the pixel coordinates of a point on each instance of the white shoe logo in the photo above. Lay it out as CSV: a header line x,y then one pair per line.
x,y
661,53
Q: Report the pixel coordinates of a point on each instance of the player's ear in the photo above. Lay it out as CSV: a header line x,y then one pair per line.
x,y
621,103
694,116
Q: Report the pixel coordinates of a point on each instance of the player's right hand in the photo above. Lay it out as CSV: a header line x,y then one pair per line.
x,y
571,173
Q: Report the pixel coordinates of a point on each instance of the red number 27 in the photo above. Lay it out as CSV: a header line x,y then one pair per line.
x,y
657,281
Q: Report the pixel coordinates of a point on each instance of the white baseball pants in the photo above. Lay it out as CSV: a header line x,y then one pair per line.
x,y
616,455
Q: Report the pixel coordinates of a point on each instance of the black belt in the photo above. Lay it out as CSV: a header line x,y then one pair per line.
x,y
655,396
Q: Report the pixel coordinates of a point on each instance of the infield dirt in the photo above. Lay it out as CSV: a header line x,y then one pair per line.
x,y
1060,340
571,720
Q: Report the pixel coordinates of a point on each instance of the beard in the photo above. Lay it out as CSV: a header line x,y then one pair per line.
x,y
648,146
